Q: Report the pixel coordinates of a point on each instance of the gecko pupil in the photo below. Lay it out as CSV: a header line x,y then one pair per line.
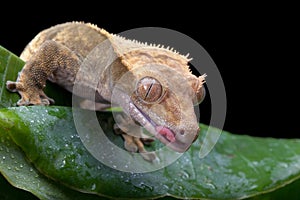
x,y
149,89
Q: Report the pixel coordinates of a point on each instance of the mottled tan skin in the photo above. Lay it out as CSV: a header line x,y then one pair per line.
x,y
161,100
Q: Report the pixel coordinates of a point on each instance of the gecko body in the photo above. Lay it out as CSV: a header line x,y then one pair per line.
x,y
162,90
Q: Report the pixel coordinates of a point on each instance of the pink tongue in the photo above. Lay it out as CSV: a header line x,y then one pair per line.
x,y
166,132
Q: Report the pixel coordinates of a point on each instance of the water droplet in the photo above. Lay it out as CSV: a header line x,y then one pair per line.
x,y
252,187
31,170
114,166
12,156
184,174
3,157
1,149
284,165
180,187
9,167
17,168
143,186
127,180
166,187
7,150
93,187
63,163
210,185
31,121
21,166
126,166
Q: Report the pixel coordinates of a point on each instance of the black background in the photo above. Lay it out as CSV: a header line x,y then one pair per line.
x,y
253,46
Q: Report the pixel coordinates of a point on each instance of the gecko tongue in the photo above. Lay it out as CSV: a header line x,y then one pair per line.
x,y
166,132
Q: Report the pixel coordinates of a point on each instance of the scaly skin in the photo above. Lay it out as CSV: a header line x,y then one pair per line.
x,y
153,85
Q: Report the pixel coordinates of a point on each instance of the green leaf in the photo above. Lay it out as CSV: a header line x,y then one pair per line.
x,y
10,65
290,191
238,166
22,174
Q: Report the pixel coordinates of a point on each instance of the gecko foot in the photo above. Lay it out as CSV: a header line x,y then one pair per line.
x,y
31,96
135,144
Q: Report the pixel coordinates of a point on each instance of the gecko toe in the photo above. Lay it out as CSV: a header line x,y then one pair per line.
x,y
23,102
149,156
130,146
45,102
11,86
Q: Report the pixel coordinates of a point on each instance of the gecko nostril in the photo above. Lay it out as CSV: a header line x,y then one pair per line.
x,y
181,132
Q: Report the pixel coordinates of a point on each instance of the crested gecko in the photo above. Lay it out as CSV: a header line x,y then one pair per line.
x,y
57,53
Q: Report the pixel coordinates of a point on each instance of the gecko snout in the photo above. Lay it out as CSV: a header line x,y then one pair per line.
x,y
183,133
189,135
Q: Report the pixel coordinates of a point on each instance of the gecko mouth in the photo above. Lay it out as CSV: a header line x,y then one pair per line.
x,y
166,133
163,133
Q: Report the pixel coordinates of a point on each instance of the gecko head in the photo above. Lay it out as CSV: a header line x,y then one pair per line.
x,y
163,93
167,112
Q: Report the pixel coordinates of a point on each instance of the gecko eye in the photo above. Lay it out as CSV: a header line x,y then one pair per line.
x,y
149,89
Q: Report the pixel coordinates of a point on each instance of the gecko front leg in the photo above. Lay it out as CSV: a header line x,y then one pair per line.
x,y
51,60
33,96
132,137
